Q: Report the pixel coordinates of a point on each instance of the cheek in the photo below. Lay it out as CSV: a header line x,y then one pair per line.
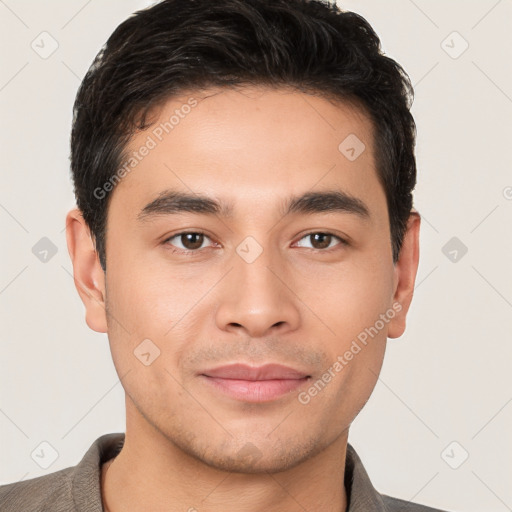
x,y
362,322
145,350
348,296
352,300
152,313
147,299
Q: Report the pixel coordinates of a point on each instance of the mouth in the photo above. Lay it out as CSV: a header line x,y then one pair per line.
x,y
254,384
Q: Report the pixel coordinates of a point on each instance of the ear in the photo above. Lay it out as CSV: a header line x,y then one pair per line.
x,y
405,275
87,272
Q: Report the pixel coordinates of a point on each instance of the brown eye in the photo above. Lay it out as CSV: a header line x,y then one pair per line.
x,y
320,241
192,240
189,241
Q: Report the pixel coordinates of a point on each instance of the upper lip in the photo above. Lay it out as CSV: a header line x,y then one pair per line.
x,y
247,372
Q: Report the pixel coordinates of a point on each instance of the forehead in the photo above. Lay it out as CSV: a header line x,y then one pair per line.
x,y
249,144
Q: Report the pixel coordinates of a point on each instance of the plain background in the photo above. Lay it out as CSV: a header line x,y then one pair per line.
x,y
446,379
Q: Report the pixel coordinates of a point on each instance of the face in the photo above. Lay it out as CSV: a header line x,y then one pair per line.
x,y
281,255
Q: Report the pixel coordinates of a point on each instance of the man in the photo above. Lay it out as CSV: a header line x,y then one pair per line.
x,y
245,235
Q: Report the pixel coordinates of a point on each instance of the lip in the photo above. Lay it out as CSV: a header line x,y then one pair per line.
x,y
254,383
247,372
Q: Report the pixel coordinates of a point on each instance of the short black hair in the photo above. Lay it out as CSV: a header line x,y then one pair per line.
x,y
176,46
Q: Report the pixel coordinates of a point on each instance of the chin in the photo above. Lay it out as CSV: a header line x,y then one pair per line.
x,y
254,457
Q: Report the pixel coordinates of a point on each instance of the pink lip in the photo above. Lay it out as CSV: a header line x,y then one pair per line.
x,y
255,384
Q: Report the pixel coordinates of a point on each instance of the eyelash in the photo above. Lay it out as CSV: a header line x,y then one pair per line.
x,y
190,252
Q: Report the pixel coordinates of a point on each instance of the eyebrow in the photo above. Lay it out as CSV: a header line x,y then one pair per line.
x,y
172,202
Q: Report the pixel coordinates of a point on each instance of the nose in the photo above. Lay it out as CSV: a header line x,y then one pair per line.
x,y
257,299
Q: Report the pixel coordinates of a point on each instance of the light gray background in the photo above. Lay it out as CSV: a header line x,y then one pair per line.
x,y
447,379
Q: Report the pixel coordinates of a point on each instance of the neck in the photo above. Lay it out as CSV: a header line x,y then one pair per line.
x,y
155,472
134,480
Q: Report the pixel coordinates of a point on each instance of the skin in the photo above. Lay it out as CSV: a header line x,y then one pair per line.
x,y
293,305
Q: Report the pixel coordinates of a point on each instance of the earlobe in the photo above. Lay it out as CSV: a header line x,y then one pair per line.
x,y
405,275
87,272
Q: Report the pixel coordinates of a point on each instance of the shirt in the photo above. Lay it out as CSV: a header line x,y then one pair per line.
x,y
77,488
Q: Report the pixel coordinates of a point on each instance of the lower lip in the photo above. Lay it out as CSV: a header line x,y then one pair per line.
x,y
255,390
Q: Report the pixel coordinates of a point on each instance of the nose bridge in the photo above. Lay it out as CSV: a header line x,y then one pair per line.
x,y
253,274
254,296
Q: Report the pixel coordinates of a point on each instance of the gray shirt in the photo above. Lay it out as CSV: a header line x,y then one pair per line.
x,y
77,488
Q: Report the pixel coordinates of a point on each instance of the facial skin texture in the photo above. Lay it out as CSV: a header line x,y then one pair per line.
x,y
294,305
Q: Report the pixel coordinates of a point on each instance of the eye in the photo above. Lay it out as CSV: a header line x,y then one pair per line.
x,y
187,241
322,241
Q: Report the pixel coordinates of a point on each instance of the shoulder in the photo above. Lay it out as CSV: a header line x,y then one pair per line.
x,y
398,505
75,488
47,492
